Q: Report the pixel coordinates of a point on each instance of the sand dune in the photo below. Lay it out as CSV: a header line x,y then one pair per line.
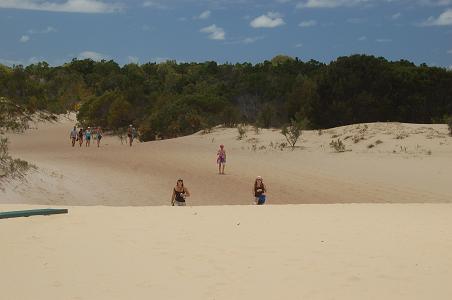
x,y
325,251
354,251
407,163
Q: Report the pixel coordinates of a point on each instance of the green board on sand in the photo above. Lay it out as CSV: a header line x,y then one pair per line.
x,y
32,212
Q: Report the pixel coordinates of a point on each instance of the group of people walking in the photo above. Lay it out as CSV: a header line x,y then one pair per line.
x,y
181,192
96,134
86,136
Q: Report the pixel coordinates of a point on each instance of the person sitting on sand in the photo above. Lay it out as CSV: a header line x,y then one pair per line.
x,y
88,137
259,191
73,136
179,194
98,136
80,137
221,159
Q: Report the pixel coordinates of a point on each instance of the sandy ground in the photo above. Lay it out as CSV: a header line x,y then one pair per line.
x,y
115,243
407,163
339,251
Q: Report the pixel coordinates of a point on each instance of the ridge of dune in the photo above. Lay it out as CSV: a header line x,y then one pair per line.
x,y
406,163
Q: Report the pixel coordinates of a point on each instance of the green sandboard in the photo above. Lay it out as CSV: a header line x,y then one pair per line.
x,y
32,212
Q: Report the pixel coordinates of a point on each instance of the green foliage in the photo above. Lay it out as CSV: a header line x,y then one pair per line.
x,y
293,131
15,118
449,124
170,99
338,145
241,130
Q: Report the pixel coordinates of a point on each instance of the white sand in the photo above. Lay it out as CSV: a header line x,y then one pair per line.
x,y
343,251
414,168
337,251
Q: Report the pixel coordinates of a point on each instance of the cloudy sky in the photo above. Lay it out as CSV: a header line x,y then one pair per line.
x,y
224,30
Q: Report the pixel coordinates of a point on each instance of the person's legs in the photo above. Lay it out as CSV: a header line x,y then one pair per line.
x,y
222,168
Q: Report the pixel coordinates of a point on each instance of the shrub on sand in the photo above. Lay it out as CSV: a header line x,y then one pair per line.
x,y
337,145
241,129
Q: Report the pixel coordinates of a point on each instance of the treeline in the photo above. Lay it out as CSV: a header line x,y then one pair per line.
x,y
171,99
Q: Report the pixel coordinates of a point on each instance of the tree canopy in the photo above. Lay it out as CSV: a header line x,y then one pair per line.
x,y
171,99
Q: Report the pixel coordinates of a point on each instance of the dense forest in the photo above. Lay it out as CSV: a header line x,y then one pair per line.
x,y
171,99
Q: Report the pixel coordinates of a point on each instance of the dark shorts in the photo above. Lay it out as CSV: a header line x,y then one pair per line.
x,y
260,200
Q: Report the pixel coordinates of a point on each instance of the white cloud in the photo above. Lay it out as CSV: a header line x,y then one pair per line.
x,y
396,16
329,3
309,23
299,45
73,6
48,29
383,40
449,51
204,15
215,33
250,40
362,38
24,39
269,20
92,55
153,4
444,19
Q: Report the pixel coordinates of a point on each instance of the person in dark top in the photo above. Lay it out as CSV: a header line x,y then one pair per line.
x,y
259,190
80,136
180,193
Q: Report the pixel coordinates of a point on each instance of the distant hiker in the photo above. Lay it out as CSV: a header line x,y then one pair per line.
x,y
98,136
221,159
73,136
130,134
88,137
80,137
259,191
179,194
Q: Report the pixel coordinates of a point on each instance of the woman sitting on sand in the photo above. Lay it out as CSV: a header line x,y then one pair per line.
x,y
179,194
221,159
259,191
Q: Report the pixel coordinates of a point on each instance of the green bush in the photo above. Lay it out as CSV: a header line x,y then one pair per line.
x,y
338,145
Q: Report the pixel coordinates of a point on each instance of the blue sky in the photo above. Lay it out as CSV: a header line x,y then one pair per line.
x,y
224,30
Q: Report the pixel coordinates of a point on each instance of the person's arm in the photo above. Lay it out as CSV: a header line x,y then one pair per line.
x,y
187,193
173,197
264,188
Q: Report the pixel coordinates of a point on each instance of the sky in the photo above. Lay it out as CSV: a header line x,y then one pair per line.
x,y
140,31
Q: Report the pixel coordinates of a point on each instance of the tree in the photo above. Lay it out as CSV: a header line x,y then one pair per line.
x,y
293,131
13,118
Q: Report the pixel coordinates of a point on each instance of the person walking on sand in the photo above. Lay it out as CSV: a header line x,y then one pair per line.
x,y
87,137
80,137
130,134
180,193
73,136
98,136
259,191
221,159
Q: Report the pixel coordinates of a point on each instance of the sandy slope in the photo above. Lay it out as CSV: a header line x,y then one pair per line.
x,y
411,164
354,251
